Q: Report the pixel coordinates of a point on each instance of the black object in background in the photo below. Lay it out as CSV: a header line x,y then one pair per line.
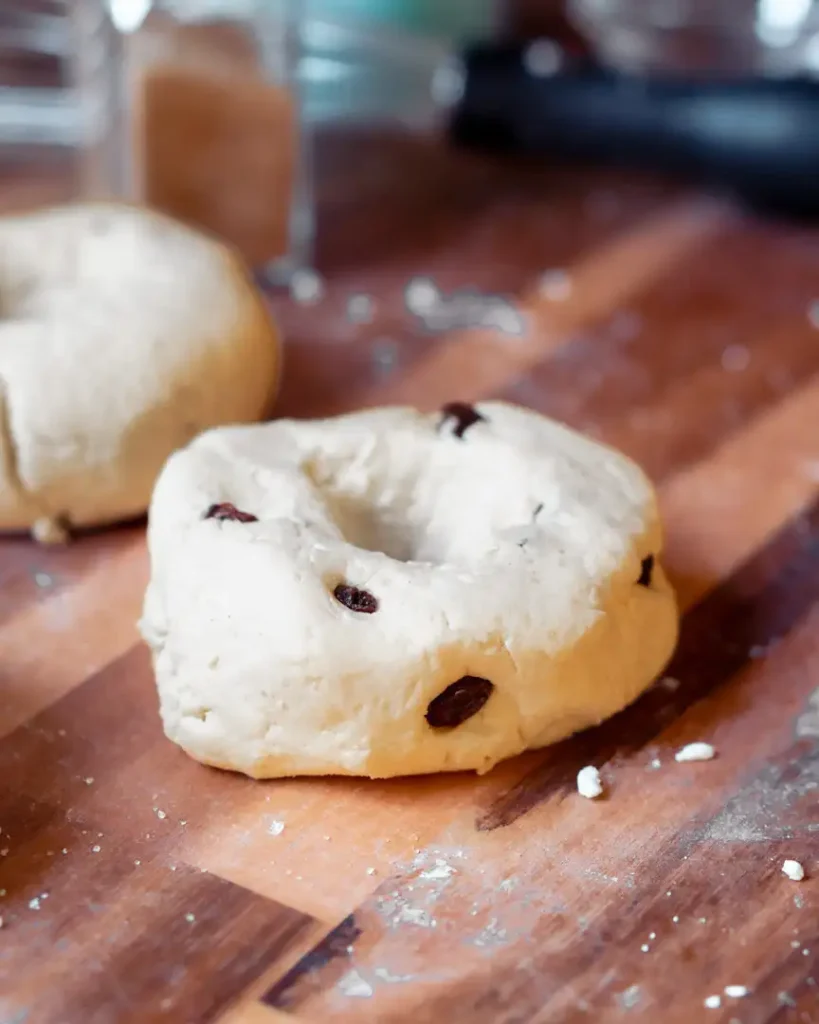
x,y
758,137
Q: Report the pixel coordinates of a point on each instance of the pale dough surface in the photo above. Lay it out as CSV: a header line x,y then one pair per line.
x,y
122,335
511,554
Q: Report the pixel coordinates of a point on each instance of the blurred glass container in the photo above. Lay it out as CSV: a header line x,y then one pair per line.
x,y
193,107
37,106
716,37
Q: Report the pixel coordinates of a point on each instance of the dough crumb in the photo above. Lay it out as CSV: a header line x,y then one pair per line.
x,y
736,991
421,295
713,1002
735,358
695,752
589,783
793,869
360,309
555,285
50,531
275,828
306,287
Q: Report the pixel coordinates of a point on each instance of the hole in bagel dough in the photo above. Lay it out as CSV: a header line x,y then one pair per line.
x,y
437,502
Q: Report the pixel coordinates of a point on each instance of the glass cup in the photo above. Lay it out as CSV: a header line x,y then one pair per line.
x,y
192,107
37,106
716,37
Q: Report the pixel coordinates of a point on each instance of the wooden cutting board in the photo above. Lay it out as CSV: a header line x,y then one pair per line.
x,y
138,886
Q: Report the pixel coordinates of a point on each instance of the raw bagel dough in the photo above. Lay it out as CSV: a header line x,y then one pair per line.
x,y
513,550
122,335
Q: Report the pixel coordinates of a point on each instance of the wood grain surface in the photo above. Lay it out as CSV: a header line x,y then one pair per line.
x,y
138,886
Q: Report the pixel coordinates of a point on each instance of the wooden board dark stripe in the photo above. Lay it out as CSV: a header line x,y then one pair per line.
x,y
335,948
752,609
170,946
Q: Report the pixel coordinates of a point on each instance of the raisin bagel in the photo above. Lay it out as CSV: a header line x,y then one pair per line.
x,y
392,592
122,335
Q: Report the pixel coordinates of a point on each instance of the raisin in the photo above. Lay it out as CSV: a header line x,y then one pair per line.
x,y
465,416
224,510
355,599
458,702
646,570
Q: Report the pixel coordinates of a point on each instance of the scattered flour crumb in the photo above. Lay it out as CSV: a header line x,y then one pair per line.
x,y
713,1002
360,309
421,295
631,996
735,358
589,783
676,919
644,948
89,781
695,752
736,991
670,683
440,871
793,869
34,904
352,984
370,871
306,287
160,814
276,827
555,285
96,848
190,918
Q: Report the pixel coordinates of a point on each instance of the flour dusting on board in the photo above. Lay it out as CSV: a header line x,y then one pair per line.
x,y
807,724
756,813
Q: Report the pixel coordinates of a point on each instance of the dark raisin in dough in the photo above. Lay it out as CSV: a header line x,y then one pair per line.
x,y
465,416
355,599
224,510
458,702
646,571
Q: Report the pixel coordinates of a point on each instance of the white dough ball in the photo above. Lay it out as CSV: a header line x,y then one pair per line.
x,y
392,592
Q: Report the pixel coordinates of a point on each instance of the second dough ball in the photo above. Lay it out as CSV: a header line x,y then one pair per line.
x,y
123,334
